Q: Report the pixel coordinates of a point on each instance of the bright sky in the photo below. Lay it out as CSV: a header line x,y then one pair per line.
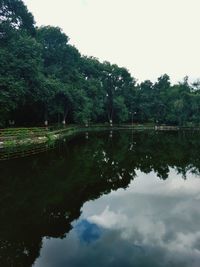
x,y
148,37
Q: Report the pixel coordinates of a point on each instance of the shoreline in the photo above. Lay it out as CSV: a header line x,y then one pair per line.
x,y
13,140
16,140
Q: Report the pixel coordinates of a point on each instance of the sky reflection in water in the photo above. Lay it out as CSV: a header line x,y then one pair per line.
x,y
153,222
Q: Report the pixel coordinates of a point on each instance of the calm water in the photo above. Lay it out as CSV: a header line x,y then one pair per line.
x,y
104,199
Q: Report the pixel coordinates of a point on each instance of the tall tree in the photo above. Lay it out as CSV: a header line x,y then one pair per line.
x,y
14,14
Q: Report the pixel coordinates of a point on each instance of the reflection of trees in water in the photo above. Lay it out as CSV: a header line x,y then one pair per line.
x,y
41,196
160,151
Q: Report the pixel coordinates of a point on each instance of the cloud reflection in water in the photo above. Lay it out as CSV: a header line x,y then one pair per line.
x,y
152,223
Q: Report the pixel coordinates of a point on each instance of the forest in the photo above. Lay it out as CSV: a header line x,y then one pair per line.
x,y
44,79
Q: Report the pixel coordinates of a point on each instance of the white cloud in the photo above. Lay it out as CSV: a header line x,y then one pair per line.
x,y
109,219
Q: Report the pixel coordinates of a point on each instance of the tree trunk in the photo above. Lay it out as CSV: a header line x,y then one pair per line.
x,y
46,116
110,115
64,117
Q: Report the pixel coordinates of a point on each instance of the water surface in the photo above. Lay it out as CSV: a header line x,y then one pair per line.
x,y
104,199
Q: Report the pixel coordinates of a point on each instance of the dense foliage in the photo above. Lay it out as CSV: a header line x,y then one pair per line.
x,y
44,78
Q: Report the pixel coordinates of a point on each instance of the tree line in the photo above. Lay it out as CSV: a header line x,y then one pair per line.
x,y
44,79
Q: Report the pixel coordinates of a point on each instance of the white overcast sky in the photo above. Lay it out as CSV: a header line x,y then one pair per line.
x,y
148,37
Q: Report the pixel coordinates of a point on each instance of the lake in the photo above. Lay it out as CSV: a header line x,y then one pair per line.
x,y
109,198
